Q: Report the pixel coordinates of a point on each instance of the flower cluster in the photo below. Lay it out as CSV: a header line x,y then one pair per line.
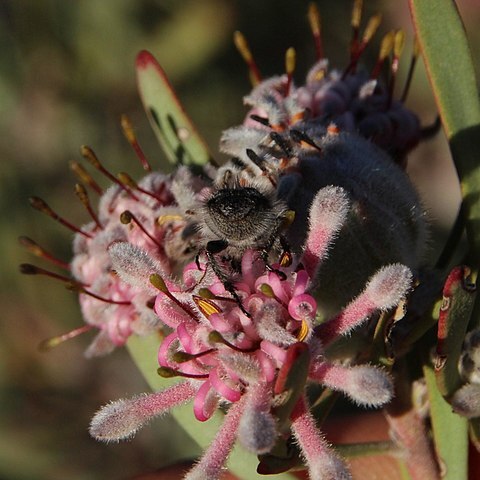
x,y
327,232
148,214
241,356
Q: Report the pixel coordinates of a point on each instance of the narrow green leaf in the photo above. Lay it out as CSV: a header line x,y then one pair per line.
x,y
450,432
174,130
241,463
449,66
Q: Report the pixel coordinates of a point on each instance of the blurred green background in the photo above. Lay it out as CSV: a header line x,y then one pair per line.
x,y
66,76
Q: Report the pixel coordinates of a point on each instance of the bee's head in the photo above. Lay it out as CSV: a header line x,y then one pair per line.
x,y
240,215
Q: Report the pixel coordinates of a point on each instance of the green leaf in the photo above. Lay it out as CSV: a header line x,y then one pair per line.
x,y
450,432
241,463
449,66
174,130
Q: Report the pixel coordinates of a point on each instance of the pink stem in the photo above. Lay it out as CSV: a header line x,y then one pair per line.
x,y
213,460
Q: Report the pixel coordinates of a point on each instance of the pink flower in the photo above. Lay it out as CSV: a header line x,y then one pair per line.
x,y
242,356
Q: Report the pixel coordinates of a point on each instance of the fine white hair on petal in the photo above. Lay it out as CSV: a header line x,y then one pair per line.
x,y
370,386
134,265
117,421
327,214
121,419
269,327
466,401
366,385
389,285
257,431
245,366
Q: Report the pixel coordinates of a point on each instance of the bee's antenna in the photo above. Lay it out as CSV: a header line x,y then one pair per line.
x,y
299,137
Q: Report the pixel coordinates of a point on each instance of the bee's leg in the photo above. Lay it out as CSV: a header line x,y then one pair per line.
x,y
282,143
214,247
286,255
265,251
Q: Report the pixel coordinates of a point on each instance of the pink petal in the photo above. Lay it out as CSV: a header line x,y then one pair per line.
x,y
203,406
383,291
364,384
170,313
123,418
327,215
163,351
267,365
222,388
302,307
301,282
274,351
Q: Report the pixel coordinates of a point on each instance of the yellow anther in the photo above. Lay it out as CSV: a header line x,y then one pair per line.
x,y
319,75
314,19
371,27
162,219
290,60
242,46
126,179
206,306
304,330
387,45
82,194
128,129
90,156
399,43
357,13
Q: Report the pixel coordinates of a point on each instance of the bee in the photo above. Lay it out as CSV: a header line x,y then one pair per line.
x,y
261,200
